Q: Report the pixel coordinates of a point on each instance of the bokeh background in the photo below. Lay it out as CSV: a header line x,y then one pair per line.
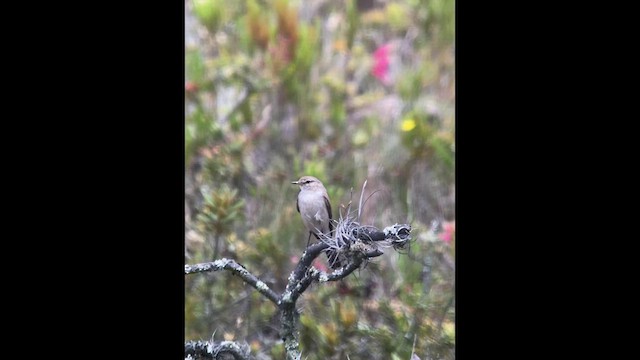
x,y
346,91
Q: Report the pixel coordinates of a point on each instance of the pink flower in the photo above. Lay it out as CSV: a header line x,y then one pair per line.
x,y
190,87
449,229
381,64
319,265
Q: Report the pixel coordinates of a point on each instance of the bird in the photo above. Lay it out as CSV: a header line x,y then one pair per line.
x,y
315,209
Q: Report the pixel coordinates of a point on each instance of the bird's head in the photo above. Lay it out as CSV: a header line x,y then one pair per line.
x,y
308,182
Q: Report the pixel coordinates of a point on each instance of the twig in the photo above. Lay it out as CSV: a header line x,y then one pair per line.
x,y
413,348
314,274
211,350
237,269
360,202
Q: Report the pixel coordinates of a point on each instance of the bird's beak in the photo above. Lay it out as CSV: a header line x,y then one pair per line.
x,y
294,182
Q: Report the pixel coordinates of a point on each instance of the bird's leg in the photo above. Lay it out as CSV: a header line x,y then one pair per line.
x,y
309,238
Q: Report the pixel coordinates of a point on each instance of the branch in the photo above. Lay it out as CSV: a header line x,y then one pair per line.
x,y
287,301
211,350
304,263
236,269
352,240
354,245
314,274
292,291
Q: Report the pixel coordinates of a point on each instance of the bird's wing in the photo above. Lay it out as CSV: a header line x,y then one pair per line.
x,y
328,205
297,206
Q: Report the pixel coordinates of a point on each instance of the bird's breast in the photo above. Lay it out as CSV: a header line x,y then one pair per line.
x,y
313,210
310,202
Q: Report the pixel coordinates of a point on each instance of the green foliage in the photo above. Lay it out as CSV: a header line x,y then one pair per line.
x,y
296,74
306,51
398,16
277,351
209,12
195,69
422,137
353,21
199,130
221,208
439,19
414,81
314,167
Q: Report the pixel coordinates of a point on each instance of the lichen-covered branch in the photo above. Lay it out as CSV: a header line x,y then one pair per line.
x,y
314,274
237,269
286,303
211,350
354,246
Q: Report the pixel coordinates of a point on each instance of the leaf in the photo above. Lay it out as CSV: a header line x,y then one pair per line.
x,y
194,67
208,12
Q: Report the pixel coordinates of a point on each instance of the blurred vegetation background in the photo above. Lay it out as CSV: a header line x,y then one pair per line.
x,y
347,92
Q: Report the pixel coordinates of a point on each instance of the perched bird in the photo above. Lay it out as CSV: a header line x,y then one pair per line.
x,y
315,209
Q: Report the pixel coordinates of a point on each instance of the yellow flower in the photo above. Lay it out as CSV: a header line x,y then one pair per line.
x,y
408,124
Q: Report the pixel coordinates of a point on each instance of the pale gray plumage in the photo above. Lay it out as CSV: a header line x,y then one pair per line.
x,y
313,205
315,208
